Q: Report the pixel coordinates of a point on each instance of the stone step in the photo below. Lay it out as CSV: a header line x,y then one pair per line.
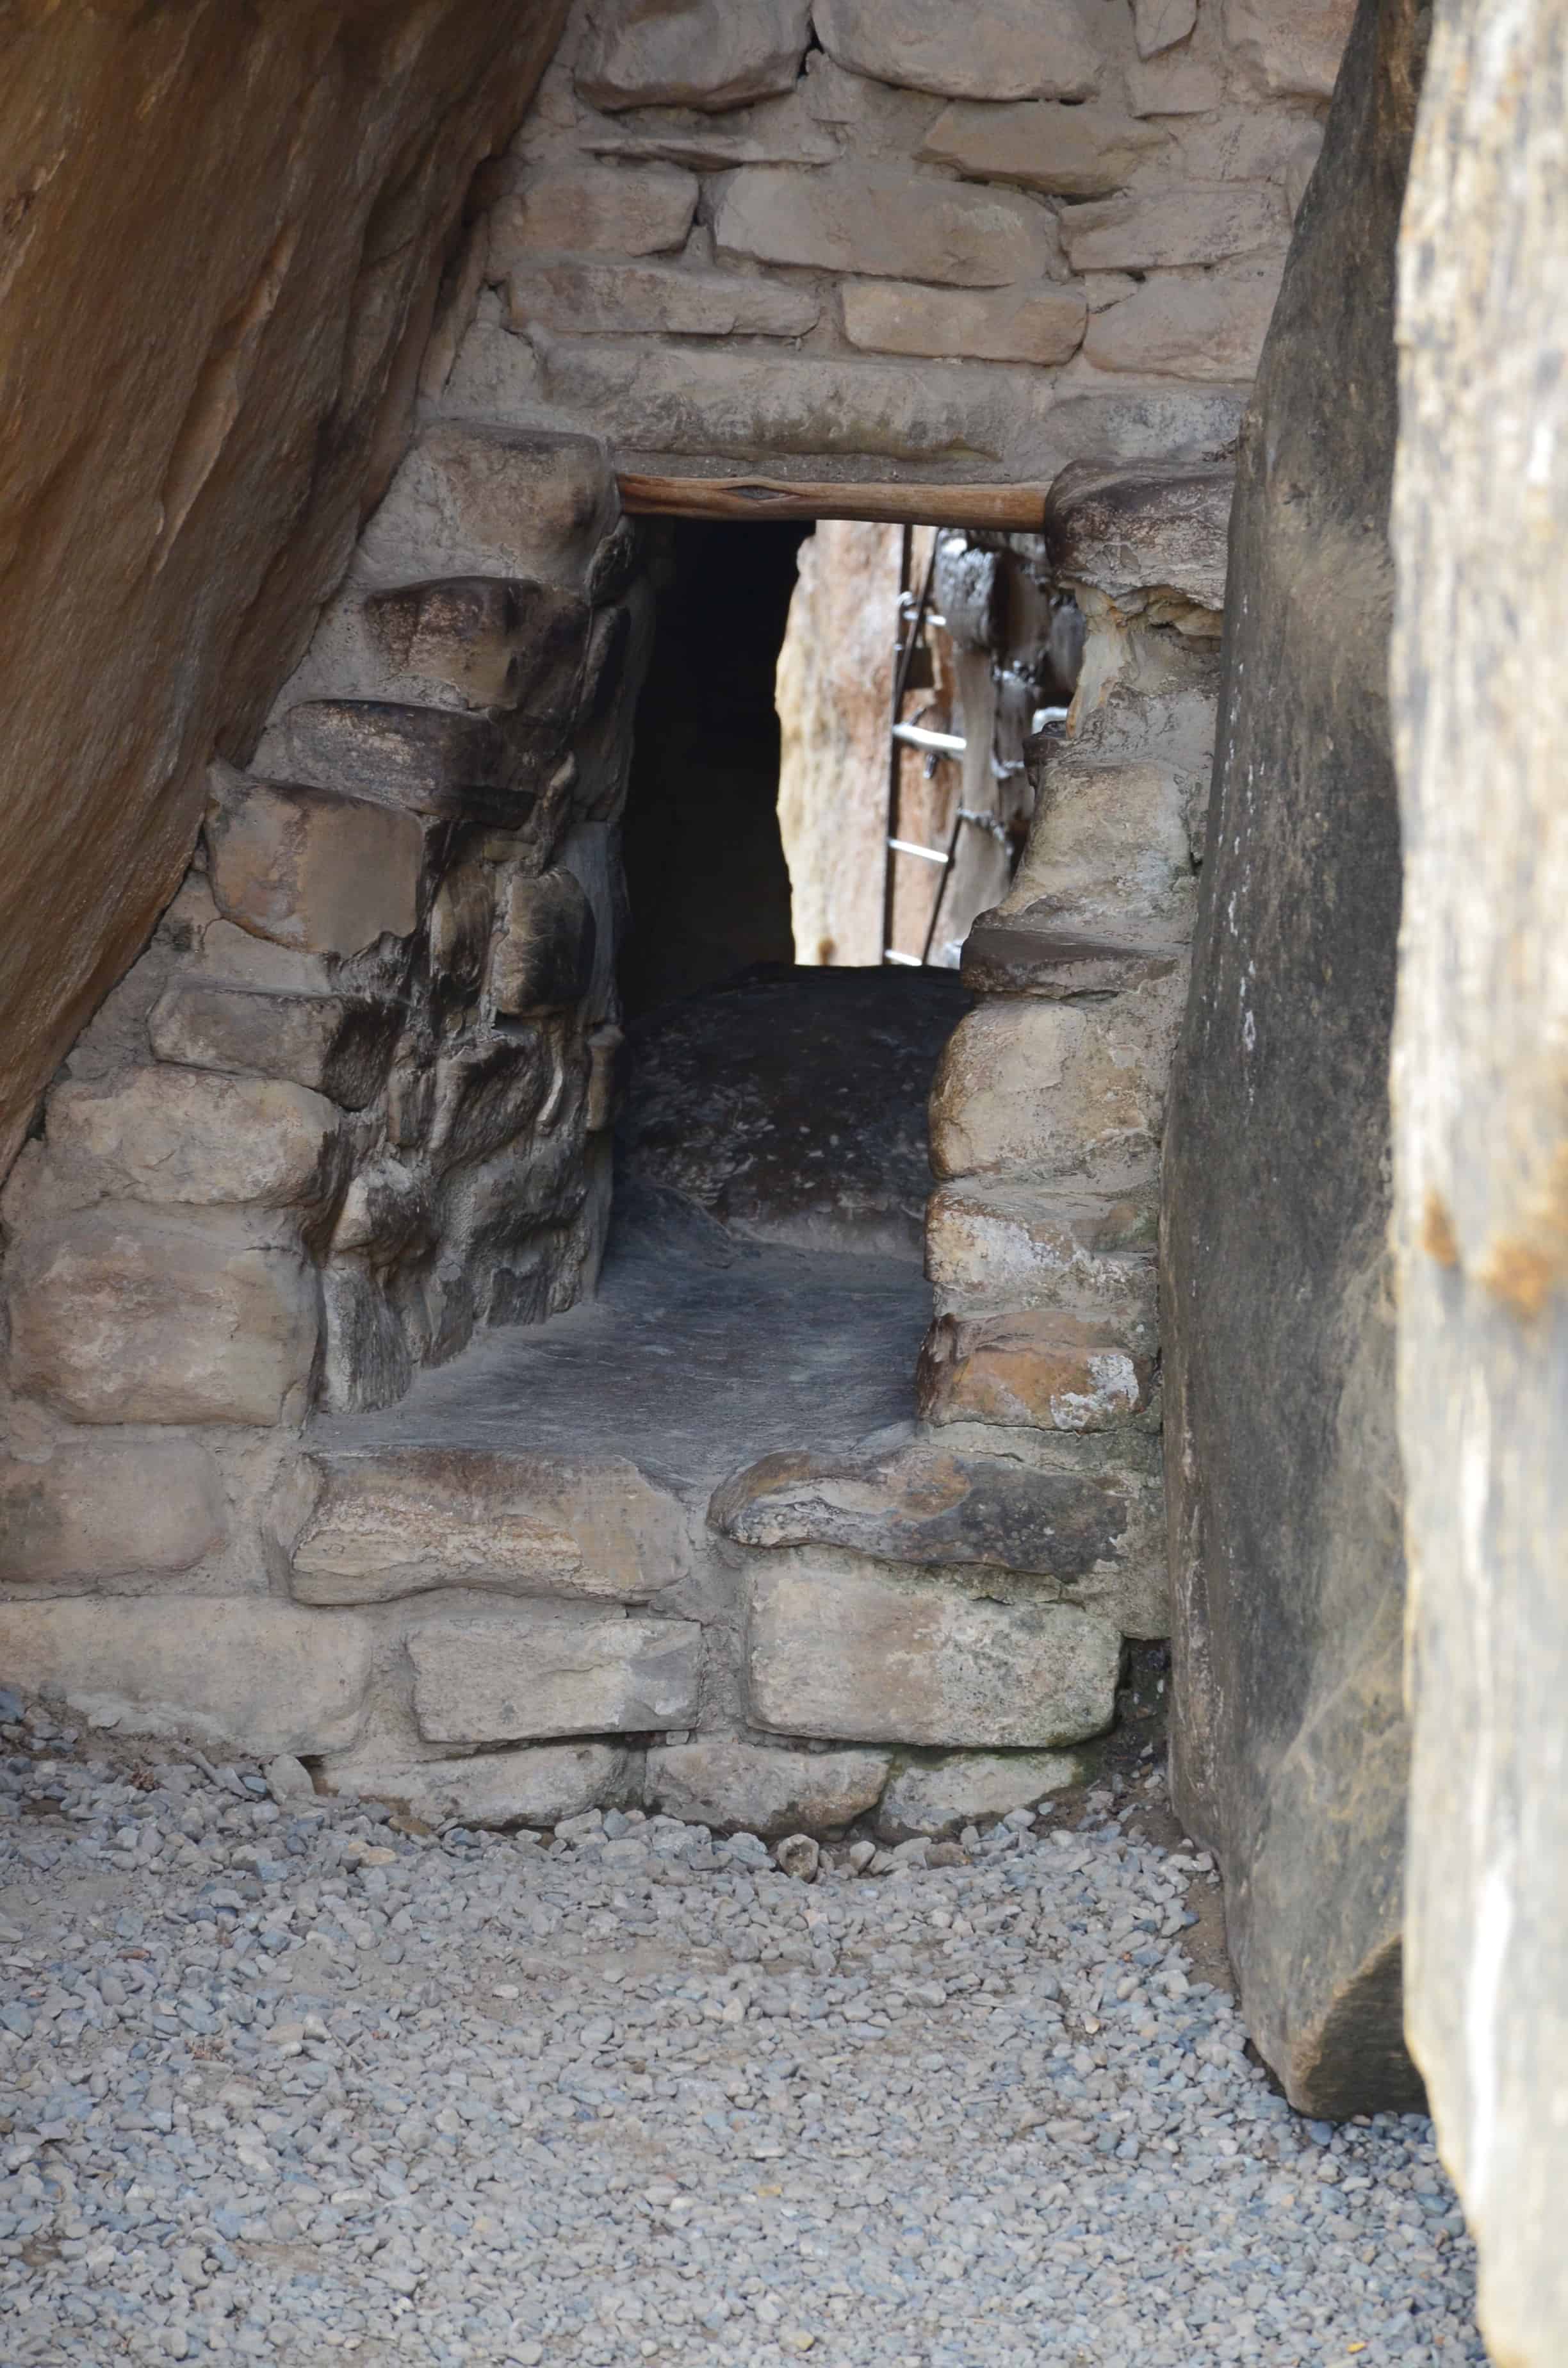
x,y
1039,952
998,1247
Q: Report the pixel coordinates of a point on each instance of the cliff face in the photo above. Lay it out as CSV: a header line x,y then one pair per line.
x,y
223,238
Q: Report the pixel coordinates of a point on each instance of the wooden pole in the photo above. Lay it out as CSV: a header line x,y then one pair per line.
x,y
1003,510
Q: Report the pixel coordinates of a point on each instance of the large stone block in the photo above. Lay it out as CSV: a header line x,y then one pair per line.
x,y
189,1135
1043,1368
879,220
489,642
400,1522
1294,45
475,499
1283,1472
1187,224
1042,324
703,53
1031,1087
1010,49
1108,849
108,1508
492,1790
587,207
340,1046
1211,327
921,1505
1072,152
251,1675
1033,951
427,760
940,1796
728,1784
328,875
1011,1245
1126,529
868,1656
636,299
480,1680
122,1315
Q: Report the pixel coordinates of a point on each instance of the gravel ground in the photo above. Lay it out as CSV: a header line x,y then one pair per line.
x,y
279,2083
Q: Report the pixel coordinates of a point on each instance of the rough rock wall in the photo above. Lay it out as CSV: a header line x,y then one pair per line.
x,y
222,237
1290,1747
1481,709
970,243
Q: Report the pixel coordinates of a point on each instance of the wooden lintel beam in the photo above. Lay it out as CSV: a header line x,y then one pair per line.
x,y
1001,509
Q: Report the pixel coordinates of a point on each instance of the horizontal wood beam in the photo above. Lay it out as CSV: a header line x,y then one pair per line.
x,y
1003,510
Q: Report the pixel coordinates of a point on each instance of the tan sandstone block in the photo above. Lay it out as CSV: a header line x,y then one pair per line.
x,y
865,1656
968,1788
587,207
1011,1245
699,54
1174,86
479,1679
1109,846
721,1782
325,874
125,1315
1040,1369
338,1044
475,499
1072,152
1208,328
1031,1088
252,1675
632,299
1042,324
1190,224
189,1135
1009,49
495,1790
1295,45
886,222
106,1509
1159,23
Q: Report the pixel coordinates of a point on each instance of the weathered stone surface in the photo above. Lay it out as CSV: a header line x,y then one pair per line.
x,y
123,1314
776,131
1159,23
1188,224
1031,953
1207,328
425,759
704,54
255,1675
326,874
721,1782
872,1657
1005,1247
1174,86
188,1135
941,1797
246,337
459,934
476,499
1296,47
1032,324
396,1524
587,207
1027,1086
338,1044
495,1791
542,953
1011,48
107,1508
1041,1367
1126,529
1073,152
922,1505
487,1680
494,642
621,299
1479,517
1290,1751
793,1108
880,221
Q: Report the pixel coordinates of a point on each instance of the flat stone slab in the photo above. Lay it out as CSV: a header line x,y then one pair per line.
x,y
497,1790
1035,952
253,1675
400,1523
923,1506
730,1784
1012,1246
874,1658
939,1796
484,1680
1041,1367
102,1508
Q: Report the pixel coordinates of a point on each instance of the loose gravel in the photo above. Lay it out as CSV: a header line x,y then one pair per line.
x,y
279,2083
